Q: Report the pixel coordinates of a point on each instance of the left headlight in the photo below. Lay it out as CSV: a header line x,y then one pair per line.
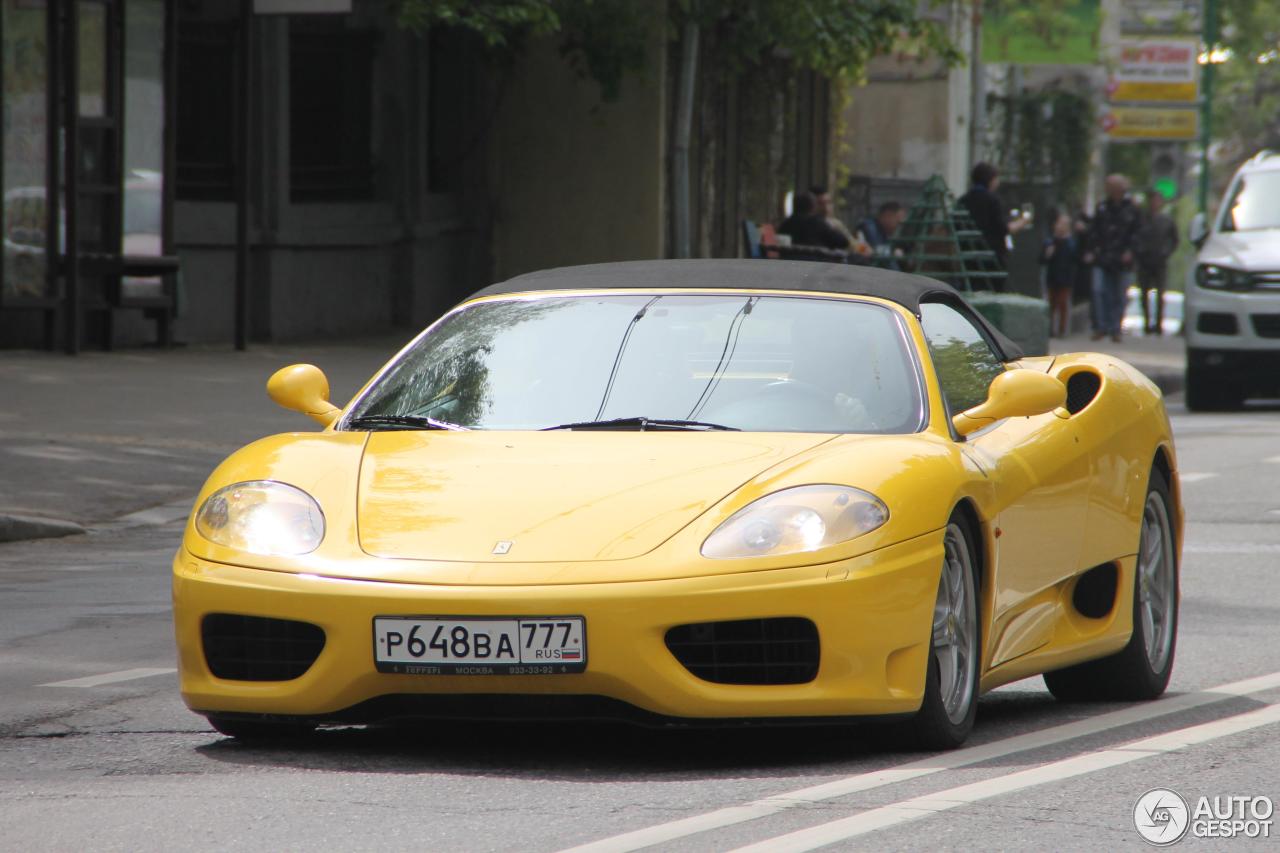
x,y
803,518
262,517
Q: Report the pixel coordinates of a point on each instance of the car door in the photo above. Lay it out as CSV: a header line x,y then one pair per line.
x,y
1040,476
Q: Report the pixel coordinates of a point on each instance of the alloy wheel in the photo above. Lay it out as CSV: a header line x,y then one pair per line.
x,y
955,627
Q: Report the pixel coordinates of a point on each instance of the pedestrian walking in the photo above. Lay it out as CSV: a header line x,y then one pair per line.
x,y
1156,240
1110,250
1060,256
1081,224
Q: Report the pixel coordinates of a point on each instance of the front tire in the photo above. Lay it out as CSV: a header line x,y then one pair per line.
x,y
1141,670
950,701
1211,390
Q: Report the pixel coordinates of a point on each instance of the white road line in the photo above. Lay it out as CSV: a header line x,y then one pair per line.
x,y
662,833
930,804
112,677
1273,459
1194,477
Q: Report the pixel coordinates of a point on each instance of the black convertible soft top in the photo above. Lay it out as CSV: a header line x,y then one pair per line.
x,y
807,276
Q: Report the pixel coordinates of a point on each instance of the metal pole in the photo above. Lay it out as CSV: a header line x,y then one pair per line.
x,y
1206,98
243,89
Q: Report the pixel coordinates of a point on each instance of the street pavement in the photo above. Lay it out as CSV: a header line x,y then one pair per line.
x,y
98,752
90,440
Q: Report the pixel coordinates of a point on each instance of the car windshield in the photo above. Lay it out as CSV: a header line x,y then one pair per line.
x,y
637,361
1254,203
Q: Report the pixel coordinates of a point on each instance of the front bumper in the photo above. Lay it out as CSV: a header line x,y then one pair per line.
x,y
873,615
1232,321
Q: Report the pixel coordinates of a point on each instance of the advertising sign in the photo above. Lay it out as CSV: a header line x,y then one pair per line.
x,y
1163,123
1156,70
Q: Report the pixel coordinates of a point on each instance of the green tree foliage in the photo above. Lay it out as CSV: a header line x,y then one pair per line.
x,y
1046,134
605,39
1246,103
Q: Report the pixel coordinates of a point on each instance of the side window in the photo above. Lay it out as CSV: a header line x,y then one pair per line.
x,y
964,361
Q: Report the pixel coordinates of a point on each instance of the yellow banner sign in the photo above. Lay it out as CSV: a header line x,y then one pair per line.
x,y
1168,93
1150,123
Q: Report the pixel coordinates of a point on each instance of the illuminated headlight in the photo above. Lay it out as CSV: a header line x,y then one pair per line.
x,y
804,518
1222,278
262,517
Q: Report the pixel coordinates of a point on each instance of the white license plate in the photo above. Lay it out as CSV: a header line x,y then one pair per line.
x,y
480,645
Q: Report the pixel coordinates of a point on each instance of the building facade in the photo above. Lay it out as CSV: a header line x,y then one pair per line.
x,y
286,169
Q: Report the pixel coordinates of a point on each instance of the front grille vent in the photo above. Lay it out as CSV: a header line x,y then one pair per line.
x,y
254,648
1266,325
1082,387
1217,323
782,650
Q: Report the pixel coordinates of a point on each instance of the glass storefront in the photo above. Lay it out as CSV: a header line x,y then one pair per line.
x,y
24,48
144,118
107,60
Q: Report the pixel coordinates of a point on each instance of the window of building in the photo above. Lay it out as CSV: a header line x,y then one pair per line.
x,y
330,111
206,107
964,360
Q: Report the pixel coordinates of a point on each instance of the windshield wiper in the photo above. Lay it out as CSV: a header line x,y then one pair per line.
x,y
643,424
400,422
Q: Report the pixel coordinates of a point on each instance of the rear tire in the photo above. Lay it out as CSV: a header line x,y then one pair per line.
x,y
263,732
950,701
1141,670
1212,391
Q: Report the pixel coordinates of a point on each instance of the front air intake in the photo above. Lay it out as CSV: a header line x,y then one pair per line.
x,y
782,650
255,648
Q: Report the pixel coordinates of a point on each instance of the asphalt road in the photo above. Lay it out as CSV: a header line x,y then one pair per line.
x,y
98,752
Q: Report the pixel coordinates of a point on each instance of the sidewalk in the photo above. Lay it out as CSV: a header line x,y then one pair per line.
x,y
1162,358
86,441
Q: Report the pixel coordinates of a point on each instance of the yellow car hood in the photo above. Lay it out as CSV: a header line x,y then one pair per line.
x,y
553,496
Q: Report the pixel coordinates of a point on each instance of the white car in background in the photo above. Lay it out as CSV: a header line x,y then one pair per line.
x,y
1233,293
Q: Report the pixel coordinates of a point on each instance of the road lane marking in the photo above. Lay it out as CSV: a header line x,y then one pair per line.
x,y
916,808
1195,477
663,833
112,677
1273,459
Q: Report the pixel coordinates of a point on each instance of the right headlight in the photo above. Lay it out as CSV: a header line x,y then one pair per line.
x,y
1218,277
262,517
795,520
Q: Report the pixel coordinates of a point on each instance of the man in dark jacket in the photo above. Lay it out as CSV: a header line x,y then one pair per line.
x,y
1110,250
988,214
1157,238
806,226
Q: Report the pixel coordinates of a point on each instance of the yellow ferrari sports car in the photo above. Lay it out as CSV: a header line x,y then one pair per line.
x,y
682,492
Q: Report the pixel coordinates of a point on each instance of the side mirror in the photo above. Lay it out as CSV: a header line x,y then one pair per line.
x,y
1198,230
303,388
1015,393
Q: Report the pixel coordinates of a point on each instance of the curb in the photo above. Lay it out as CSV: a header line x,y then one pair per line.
x,y
14,528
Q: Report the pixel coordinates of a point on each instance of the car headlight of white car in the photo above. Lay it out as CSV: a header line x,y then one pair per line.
x,y
1222,278
795,520
262,517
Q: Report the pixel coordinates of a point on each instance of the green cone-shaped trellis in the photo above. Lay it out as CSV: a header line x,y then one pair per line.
x,y
939,239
